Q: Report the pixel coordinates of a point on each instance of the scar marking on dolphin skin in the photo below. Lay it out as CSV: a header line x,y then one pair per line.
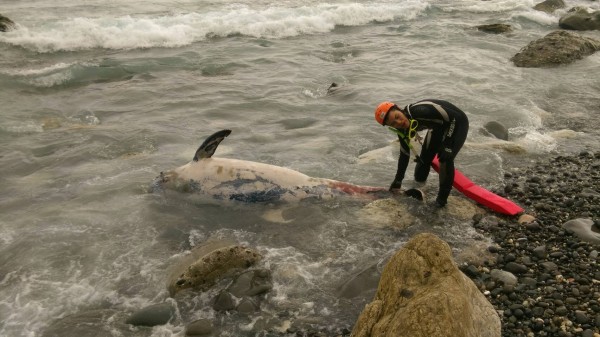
x,y
219,169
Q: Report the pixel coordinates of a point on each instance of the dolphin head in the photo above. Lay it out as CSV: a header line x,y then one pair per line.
x,y
161,182
172,180
177,179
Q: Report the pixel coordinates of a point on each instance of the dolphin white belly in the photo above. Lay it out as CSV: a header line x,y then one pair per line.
x,y
248,181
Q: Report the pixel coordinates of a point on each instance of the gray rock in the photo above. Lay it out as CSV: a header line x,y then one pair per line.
x,y
515,268
556,48
92,323
224,301
549,266
562,310
201,327
497,130
540,252
247,306
581,317
251,283
157,314
505,277
529,281
589,193
583,229
533,226
588,333
549,6
579,18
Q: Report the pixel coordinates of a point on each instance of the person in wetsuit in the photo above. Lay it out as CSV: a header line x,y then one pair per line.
x,y
447,128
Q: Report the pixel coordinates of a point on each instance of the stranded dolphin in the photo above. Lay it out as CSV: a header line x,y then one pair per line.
x,y
247,181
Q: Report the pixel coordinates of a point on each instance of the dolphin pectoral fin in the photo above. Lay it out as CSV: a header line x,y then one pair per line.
x,y
208,148
276,216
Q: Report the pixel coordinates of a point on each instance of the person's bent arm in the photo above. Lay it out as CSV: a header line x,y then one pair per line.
x,y
403,160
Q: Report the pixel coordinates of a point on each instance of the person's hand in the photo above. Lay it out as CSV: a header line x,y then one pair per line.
x,y
446,154
395,187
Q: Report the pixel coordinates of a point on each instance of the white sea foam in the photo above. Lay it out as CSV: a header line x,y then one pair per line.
x,y
36,71
537,142
129,32
539,17
487,6
52,80
22,127
50,75
31,312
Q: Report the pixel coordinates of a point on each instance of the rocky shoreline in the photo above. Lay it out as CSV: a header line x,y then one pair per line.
x,y
545,280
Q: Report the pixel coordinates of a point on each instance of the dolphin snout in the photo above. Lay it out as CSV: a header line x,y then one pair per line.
x,y
157,184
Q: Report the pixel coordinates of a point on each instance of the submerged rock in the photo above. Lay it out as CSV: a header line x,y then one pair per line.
x,y
579,18
387,213
201,327
495,28
209,262
224,301
363,281
251,283
247,287
497,130
423,293
556,48
6,24
248,306
156,314
92,323
549,6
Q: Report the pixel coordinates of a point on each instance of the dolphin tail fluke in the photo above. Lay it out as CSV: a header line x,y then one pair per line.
x,y
208,148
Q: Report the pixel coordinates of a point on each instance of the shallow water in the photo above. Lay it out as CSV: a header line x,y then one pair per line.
x,y
99,98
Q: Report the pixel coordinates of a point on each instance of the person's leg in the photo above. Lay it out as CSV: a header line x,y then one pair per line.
x,y
430,147
447,167
446,181
460,136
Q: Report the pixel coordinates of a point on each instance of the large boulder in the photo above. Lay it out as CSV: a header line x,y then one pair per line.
x,y
6,24
556,48
422,293
549,6
579,18
207,263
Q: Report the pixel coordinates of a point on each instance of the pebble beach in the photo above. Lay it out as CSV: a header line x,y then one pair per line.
x,y
545,279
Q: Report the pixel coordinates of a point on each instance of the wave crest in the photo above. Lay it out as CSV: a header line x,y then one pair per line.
x,y
178,30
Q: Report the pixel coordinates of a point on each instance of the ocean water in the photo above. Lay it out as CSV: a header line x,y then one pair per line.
x,y
98,97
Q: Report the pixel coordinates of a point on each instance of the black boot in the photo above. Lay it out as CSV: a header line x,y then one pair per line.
x,y
439,202
442,197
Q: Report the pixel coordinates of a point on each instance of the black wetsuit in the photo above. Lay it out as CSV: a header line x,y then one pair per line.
x,y
447,128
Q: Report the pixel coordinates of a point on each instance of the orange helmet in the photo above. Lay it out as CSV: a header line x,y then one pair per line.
x,y
382,110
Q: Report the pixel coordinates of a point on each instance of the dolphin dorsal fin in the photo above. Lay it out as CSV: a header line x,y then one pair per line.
x,y
209,146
